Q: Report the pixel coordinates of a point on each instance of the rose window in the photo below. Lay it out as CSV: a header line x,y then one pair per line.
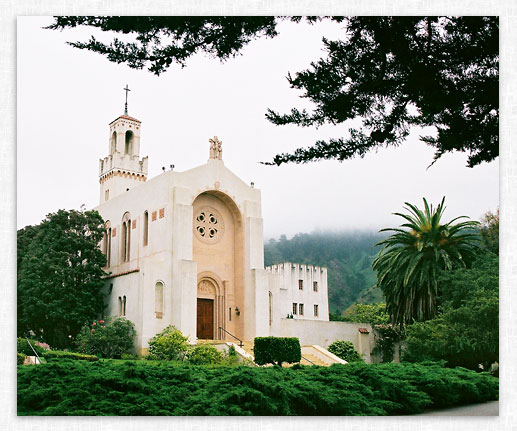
x,y
208,225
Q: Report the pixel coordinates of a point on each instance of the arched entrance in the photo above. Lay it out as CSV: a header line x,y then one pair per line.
x,y
218,246
209,308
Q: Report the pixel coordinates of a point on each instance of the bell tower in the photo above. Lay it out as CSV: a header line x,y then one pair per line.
x,y
122,169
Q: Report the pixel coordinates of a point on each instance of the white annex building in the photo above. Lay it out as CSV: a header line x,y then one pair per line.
x,y
186,249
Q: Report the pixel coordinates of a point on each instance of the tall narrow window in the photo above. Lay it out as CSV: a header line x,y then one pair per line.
x,y
270,308
315,310
124,306
295,308
126,237
315,286
106,195
106,247
158,300
120,306
128,149
146,228
113,143
300,284
300,309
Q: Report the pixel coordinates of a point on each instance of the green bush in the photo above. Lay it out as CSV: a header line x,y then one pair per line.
x,y
345,350
275,350
23,347
60,354
169,345
204,354
129,356
107,339
138,388
20,358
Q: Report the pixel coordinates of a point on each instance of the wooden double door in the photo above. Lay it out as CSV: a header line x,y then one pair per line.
x,y
205,319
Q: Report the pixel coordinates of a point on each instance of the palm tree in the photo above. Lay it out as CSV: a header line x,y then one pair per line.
x,y
410,261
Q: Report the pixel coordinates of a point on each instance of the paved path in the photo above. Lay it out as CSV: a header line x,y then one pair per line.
x,y
491,408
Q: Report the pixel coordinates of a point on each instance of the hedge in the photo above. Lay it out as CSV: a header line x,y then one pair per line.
x,y
143,388
20,358
275,350
59,354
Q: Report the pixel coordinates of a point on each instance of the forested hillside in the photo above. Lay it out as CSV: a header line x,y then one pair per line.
x,y
347,255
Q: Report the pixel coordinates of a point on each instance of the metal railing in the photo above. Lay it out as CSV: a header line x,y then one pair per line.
x,y
35,353
238,339
308,360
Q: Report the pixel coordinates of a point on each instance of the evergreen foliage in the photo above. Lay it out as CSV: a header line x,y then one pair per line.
x,y
60,276
348,257
374,314
276,350
345,350
466,331
204,354
61,355
170,345
390,73
139,388
411,260
107,339
20,358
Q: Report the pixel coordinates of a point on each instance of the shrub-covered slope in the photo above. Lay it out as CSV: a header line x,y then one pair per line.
x,y
139,388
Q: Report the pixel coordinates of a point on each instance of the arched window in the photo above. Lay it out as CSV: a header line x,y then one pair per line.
x,y
124,306
119,306
107,243
113,143
146,228
128,149
158,300
126,237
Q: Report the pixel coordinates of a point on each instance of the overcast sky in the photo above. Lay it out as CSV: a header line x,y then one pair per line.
x,y
67,97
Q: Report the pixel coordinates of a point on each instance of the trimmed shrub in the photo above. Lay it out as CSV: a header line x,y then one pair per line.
x,y
345,350
138,388
20,358
169,345
107,339
60,354
204,354
275,350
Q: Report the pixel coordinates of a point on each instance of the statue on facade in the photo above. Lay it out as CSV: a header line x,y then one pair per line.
x,y
216,149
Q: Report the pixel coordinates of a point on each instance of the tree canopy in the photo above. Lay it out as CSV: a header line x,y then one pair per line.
x,y
391,73
60,276
412,259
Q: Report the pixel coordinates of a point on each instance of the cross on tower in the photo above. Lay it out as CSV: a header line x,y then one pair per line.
x,y
126,90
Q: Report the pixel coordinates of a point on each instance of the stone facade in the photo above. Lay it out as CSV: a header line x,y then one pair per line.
x,y
186,249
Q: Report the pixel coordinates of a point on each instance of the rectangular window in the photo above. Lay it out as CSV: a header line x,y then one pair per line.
x,y
295,308
300,309
315,286
106,195
315,310
300,284
230,314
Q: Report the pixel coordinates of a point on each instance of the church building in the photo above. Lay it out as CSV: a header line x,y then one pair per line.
x,y
187,249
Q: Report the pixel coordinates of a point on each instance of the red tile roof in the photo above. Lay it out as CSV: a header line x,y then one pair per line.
x,y
364,331
126,117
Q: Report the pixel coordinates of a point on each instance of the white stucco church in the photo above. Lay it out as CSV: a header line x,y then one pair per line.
x,y
186,249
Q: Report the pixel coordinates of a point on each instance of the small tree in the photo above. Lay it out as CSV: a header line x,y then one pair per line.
x,y
345,350
170,344
275,350
108,339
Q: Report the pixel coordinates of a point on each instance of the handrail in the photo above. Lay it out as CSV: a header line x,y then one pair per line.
x,y
37,356
308,360
240,341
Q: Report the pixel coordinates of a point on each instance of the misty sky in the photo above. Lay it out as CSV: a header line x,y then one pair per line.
x,y
66,98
